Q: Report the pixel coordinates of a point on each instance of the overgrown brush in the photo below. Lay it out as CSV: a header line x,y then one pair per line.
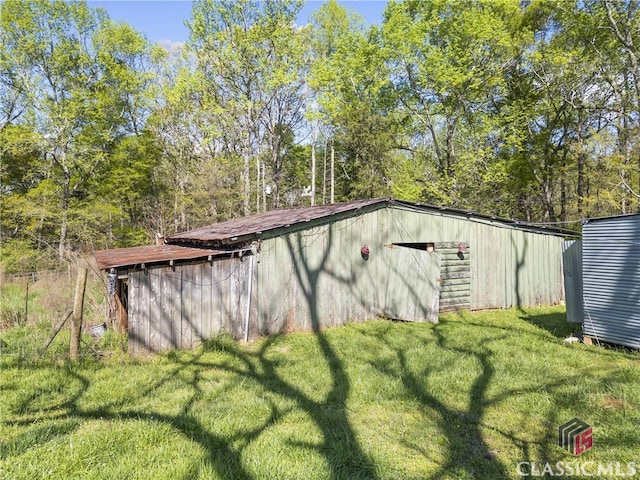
x,y
28,316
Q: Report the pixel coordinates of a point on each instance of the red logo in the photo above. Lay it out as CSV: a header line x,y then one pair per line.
x,y
575,436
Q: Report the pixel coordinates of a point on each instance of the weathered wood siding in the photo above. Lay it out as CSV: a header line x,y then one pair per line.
x,y
316,277
509,267
180,307
455,285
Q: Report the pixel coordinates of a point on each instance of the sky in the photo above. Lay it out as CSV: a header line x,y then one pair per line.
x,y
163,20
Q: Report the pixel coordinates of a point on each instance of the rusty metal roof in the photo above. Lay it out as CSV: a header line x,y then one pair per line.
x,y
183,246
121,257
241,229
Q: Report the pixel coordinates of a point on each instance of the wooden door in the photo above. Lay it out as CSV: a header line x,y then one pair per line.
x,y
412,290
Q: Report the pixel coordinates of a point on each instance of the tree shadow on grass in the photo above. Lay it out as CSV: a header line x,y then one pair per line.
x,y
339,446
224,452
465,431
221,455
468,455
554,323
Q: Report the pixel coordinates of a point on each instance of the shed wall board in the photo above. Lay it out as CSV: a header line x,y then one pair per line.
x,y
509,267
320,274
179,308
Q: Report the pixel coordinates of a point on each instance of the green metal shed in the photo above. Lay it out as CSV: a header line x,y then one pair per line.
x,y
308,268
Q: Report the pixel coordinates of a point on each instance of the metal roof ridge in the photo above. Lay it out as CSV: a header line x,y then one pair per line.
x,y
504,220
609,217
252,225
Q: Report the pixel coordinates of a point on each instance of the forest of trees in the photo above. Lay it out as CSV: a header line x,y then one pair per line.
x,y
522,109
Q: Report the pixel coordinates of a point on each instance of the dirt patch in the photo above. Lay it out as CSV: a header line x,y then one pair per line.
x,y
612,403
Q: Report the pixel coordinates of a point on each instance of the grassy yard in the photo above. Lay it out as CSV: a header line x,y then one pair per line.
x,y
468,398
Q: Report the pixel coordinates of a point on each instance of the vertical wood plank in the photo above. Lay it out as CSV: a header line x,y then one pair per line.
x,y
135,340
153,325
163,329
186,310
207,311
218,310
144,294
197,304
176,307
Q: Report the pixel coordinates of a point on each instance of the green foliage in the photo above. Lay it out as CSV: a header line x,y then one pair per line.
x,y
79,74
23,256
448,61
521,109
252,61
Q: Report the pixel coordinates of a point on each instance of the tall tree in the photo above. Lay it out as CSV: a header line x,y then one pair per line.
x,y
79,71
448,60
622,23
350,80
251,58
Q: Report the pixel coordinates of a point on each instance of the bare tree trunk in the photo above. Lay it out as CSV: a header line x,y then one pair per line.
x,y
259,182
176,222
246,170
65,211
324,175
313,163
264,187
313,173
333,170
247,183
275,176
581,162
625,150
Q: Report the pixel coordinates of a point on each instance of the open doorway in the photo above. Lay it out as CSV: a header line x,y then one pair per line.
x,y
118,289
411,286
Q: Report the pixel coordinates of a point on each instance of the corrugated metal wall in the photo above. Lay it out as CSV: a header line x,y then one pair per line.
x,y
611,280
316,277
572,269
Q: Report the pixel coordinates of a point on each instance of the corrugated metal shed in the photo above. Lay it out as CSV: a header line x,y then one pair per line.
x,y
611,279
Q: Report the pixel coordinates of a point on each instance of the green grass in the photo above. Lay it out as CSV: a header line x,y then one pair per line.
x,y
25,328
468,398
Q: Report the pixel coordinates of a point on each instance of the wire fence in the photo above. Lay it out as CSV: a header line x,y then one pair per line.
x,y
32,303
33,277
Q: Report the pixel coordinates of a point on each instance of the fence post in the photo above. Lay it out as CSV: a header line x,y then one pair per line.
x,y
26,305
76,324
